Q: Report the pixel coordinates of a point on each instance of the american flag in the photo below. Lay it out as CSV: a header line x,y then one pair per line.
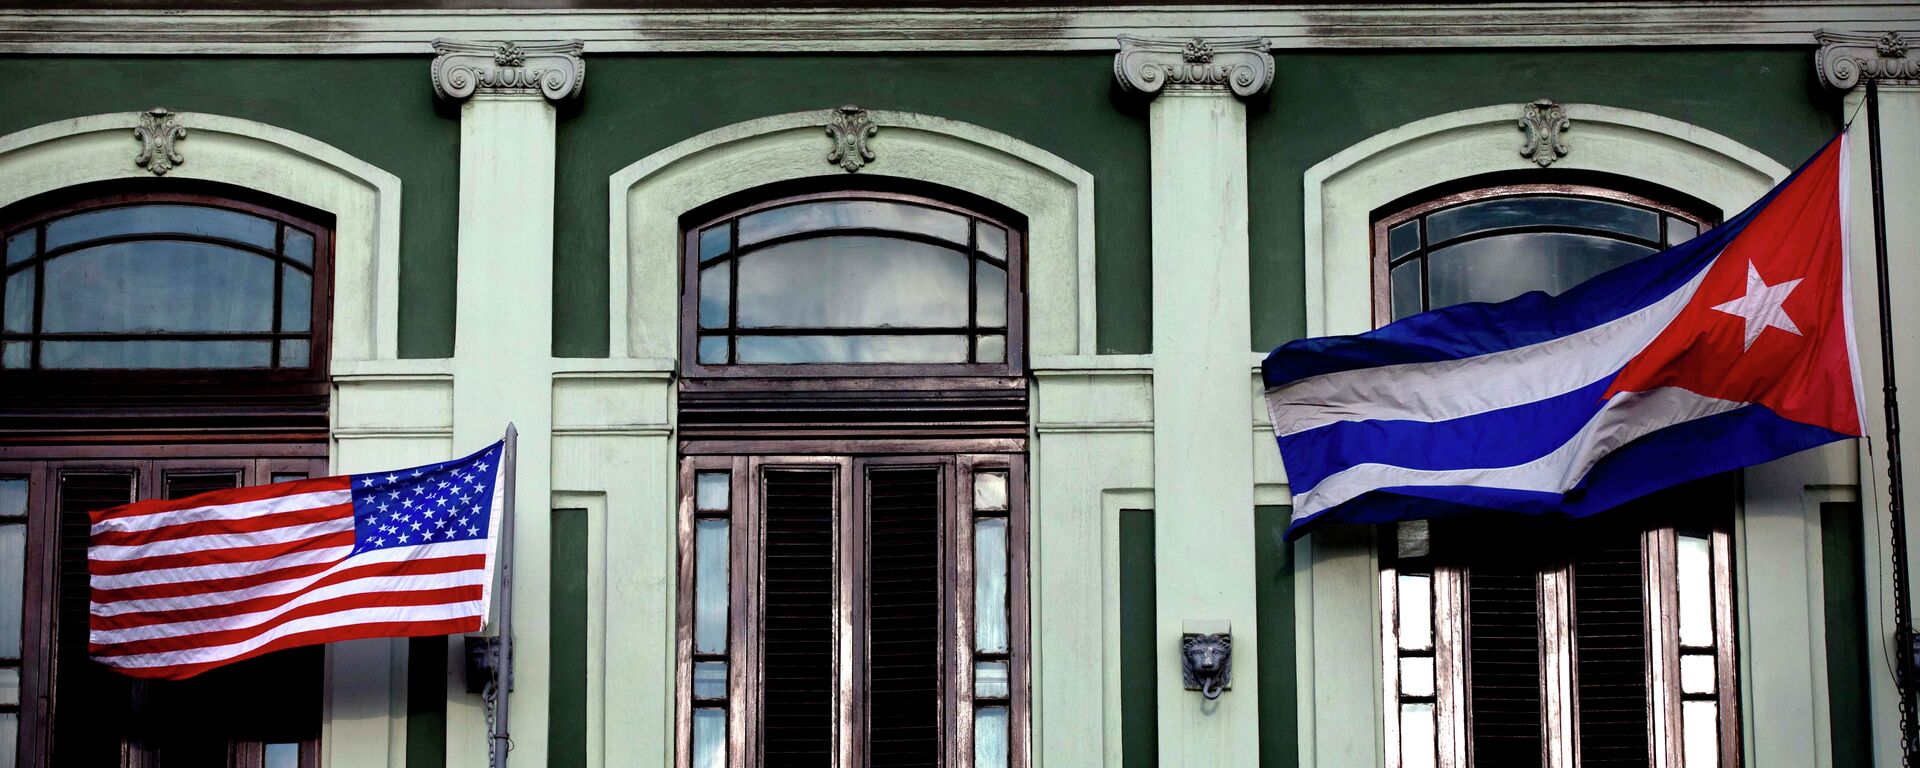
x,y
182,586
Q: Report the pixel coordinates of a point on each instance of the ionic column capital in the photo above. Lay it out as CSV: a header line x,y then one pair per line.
x,y
462,68
1238,65
1846,57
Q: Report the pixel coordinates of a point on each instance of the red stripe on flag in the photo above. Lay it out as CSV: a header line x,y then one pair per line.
x,y
214,527
202,586
427,567
230,496
219,556
314,637
441,596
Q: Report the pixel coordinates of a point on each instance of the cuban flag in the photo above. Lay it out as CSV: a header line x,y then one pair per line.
x,y
1729,350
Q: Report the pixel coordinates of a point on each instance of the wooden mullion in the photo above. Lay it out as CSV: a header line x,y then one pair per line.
x,y
960,585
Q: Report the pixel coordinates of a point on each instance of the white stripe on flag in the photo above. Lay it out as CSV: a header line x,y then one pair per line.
x,y
217,570
375,584
286,535
1452,389
285,586
1627,417
396,613
236,511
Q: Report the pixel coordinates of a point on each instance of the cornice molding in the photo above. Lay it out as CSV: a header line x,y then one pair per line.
x,y
1087,28
1846,57
462,68
1239,65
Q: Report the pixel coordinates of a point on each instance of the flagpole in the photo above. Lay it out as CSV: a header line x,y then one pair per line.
x,y
1896,486
503,671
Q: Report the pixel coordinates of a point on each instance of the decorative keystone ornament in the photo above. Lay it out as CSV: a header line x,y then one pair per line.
x,y
849,127
1545,123
157,131
1150,65
1206,663
1845,57
462,68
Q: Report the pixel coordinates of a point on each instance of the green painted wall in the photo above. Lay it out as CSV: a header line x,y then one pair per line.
x,y
567,664
1842,561
1273,594
1139,701
1323,102
380,110
636,105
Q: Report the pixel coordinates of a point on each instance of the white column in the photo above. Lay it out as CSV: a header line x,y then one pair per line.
x,y
1844,59
1202,460
503,336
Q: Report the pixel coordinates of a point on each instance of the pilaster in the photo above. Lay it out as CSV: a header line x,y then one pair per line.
x,y
1202,460
1843,62
503,339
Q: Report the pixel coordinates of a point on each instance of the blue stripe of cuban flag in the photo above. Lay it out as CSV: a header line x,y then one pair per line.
x,y
1451,410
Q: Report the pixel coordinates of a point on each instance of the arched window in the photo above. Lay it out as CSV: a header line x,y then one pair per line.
x,y
1517,641
164,282
853,508
859,282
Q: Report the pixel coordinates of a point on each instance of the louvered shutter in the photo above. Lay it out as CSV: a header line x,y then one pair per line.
x,y
797,696
1503,663
1610,647
91,701
904,599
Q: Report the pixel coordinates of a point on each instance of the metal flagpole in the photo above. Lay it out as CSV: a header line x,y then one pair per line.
x,y
503,670
1896,486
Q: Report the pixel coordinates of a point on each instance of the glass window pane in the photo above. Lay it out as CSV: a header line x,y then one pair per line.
x,y
1700,729
990,585
716,287
989,491
1403,286
9,737
712,491
20,245
1510,212
713,349
282,755
1417,735
990,285
13,575
155,354
711,561
1695,572
990,680
990,349
169,219
990,737
159,285
19,299
296,300
1416,675
714,242
293,354
1681,230
1504,266
1402,239
283,477
15,354
709,738
991,240
847,214
1412,539
298,246
853,349
709,679
853,282
1416,611
13,496
1696,673
9,689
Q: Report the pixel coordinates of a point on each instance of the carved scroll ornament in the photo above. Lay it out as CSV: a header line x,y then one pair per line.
x,y
1545,124
1845,57
463,68
1149,65
849,127
157,132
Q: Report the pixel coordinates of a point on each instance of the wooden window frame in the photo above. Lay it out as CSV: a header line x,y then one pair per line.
x,y
149,465
745,654
1015,331
36,215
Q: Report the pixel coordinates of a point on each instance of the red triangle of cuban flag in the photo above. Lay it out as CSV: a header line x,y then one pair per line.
x,y
1771,322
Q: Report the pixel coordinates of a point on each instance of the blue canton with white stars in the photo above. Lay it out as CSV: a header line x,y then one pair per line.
x,y
435,504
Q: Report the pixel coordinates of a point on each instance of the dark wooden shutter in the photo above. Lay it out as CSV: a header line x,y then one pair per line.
x,y
797,697
1503,662
91,701
903,594
1610,647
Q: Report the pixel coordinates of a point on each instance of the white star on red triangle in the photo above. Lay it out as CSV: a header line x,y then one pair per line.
x,y
1763,307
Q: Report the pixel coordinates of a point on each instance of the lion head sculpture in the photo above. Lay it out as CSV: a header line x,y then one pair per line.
x,y
1206,661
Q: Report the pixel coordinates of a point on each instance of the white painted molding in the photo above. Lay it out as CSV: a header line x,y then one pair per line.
x,y
1090,28
649,197
1342,191
364,200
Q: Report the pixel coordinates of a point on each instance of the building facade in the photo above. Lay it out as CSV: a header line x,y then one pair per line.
x,y
887,379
